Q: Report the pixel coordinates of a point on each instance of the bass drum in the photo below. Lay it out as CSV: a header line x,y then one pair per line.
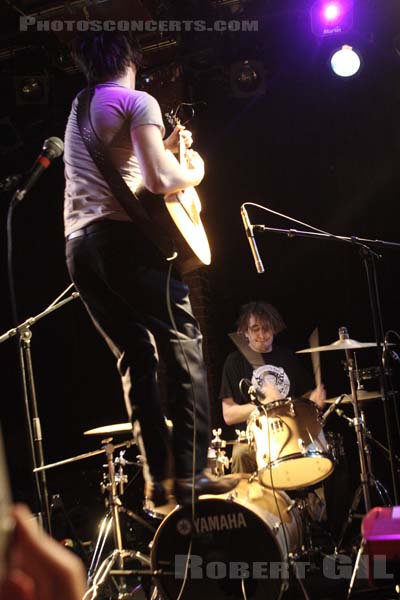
x,y
238,544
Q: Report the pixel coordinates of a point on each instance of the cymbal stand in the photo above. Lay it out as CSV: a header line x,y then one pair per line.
x,y
365,475
358,423
98,573
379,487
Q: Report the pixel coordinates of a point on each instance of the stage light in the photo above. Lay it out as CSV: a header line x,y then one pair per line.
x,y
247,78
330,17
331,12
345,62
31,89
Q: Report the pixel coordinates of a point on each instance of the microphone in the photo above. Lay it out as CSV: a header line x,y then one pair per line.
x,y
53,147
332,408
251,394
341,413
250,236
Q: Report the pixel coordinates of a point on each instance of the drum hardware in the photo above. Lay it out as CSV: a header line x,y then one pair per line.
x,y
110,429
364,475
340,344
67,461
220,462
301,503
336,443
292,412
334,406
241,436
367,480
369,373
98,573
379,487
117,428
362,395
302,446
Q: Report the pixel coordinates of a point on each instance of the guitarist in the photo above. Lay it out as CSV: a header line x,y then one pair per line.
x,y
122,275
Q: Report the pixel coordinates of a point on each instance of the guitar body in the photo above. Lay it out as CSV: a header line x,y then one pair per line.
x,y
184,209
176,219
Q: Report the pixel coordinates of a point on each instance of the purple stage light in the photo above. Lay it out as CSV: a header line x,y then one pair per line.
x,y
331,12
329,17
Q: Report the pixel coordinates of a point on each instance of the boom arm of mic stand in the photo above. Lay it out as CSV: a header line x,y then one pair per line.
x,y
31,410
32,320
328,236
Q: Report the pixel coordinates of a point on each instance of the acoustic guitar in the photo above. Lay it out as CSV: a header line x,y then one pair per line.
x,y
177,215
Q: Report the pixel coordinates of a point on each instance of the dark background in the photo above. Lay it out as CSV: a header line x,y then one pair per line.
x,y
305,143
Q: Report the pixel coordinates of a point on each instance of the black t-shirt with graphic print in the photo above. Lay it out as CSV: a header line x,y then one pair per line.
x,y
281,367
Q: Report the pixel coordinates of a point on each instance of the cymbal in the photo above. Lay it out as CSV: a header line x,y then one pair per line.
x,y
109,429
346,344
362,395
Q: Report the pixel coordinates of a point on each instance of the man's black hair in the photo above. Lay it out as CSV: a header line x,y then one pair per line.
x,y
105,55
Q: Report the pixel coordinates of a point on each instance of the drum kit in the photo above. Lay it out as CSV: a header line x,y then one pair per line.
x,y
248,542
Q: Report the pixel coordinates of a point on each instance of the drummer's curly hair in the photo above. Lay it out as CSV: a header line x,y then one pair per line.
x,y
265,312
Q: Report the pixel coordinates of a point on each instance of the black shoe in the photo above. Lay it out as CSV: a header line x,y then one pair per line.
x,y
204,483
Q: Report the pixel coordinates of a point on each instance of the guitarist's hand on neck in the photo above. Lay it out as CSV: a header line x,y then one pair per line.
x,y
161,172
172,141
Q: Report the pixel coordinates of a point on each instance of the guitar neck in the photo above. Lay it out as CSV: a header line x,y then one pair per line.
x,y
182,151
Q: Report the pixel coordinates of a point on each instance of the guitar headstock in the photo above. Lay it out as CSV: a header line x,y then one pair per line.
x,y
182,115
172,118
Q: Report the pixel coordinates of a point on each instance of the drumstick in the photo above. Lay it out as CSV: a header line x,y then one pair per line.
x,y
315,356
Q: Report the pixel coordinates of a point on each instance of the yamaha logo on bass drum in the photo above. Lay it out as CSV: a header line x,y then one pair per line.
x,y
210,523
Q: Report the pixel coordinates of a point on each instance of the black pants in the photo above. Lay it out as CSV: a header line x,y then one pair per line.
x,y
122,280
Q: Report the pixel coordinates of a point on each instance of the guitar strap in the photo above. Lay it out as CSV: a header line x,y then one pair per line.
x,y
118,186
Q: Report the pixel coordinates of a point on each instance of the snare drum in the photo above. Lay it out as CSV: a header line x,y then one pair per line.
x,y
290,445
239,540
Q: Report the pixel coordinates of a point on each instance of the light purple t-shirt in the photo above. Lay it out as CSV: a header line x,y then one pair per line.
x,y
115,112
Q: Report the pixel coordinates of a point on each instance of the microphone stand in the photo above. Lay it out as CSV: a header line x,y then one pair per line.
x,y
369,258
24,333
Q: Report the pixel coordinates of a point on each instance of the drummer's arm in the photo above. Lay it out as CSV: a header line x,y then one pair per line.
x,y
317,395
234,413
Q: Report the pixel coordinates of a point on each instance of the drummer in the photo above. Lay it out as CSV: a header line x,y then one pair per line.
x,y
273,370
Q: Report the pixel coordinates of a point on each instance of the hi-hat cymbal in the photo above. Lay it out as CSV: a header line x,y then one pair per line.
x,y
346,344
362,395
109,429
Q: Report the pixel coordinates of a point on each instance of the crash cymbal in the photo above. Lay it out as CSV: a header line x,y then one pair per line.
x,y
117,428
109,429
346,344
362,395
